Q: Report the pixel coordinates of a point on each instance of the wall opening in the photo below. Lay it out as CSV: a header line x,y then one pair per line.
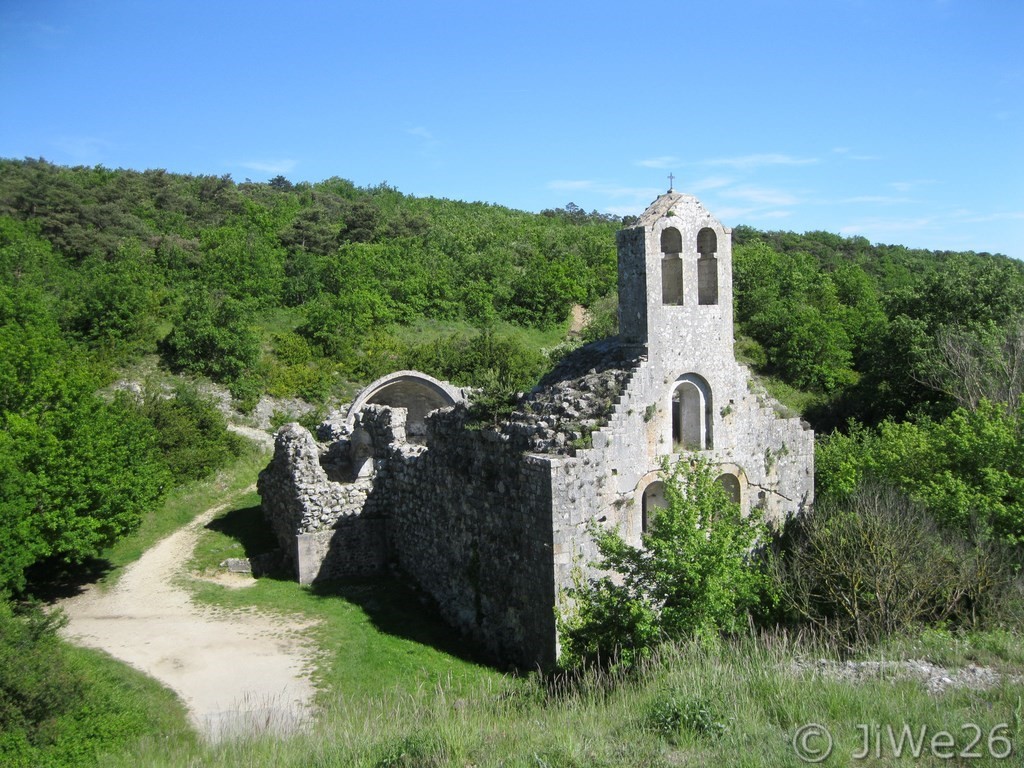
x,y
692,414
707,267
731,484
671,266
653,499
417,392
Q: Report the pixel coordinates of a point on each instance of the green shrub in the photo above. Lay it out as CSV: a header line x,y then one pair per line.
x,y
696,572
36,683
874,563
214,338
480,360
192,434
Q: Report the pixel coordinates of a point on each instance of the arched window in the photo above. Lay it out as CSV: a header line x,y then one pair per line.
x,y
731,484
671,266
692,414
653,498
707,267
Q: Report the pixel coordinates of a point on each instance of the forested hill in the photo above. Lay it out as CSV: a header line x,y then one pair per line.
x,y
291,288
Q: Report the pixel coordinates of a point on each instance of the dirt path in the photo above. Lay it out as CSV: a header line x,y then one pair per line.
x,y
235,671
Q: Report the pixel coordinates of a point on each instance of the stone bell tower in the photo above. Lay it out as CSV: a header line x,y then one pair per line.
x,y
675,283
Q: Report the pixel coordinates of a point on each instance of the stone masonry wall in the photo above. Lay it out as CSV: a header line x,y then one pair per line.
x,y
312,515
470,523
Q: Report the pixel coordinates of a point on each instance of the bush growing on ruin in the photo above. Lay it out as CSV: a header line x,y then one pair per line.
x,y
697,572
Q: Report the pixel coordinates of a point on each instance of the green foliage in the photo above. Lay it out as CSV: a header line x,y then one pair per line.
x,y
484,359
115,303
696,572
810,324
36,683
213,337
63,707
674,711
191,433
604,319
873,564
967,469
76,472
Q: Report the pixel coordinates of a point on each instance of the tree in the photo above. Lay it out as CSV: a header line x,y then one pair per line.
x,y
967,469
76,471
214,337
697,571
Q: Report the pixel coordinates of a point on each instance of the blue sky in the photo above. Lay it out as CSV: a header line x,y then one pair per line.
x,y
897,120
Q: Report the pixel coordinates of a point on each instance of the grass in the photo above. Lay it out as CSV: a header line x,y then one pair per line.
x,y
120,708
375,635
396,688
180,507
736,702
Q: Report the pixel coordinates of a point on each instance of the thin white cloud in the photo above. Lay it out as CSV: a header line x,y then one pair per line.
x,y
981,218
906,186
665,161
570,184
760,195
749,162
879,199
269,166
421,132
707,183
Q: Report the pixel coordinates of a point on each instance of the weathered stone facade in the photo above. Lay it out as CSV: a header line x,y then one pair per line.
x,y
491,522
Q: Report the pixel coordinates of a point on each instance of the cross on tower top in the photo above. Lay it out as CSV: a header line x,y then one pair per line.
x,y
671,179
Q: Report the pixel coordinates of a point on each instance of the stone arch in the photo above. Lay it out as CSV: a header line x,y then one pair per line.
x,y
417,392
671,266
692,410
733,480
731,485
707,267
651,498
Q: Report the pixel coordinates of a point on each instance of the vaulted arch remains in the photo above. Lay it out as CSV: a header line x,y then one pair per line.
x,y
417,392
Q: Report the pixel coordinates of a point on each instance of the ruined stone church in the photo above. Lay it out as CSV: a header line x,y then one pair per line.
x,y
490,521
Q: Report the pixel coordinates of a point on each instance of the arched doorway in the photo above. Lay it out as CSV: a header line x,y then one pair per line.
x,y
692,414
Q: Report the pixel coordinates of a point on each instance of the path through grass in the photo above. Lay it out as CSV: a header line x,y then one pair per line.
x,y
375,635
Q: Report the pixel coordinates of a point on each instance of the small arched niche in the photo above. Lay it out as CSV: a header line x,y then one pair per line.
x,y
731,485
653,499
707,267
692,414
671,266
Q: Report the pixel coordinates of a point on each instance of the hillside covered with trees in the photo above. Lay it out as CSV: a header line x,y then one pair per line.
x,y
908,363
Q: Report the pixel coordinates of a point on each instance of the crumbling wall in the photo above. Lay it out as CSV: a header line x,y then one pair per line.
x,y
312,515
469,521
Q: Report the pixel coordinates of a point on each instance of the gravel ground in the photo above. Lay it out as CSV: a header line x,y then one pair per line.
x,y
237,672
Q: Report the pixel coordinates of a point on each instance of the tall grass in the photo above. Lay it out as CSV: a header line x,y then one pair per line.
x,y
736,702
